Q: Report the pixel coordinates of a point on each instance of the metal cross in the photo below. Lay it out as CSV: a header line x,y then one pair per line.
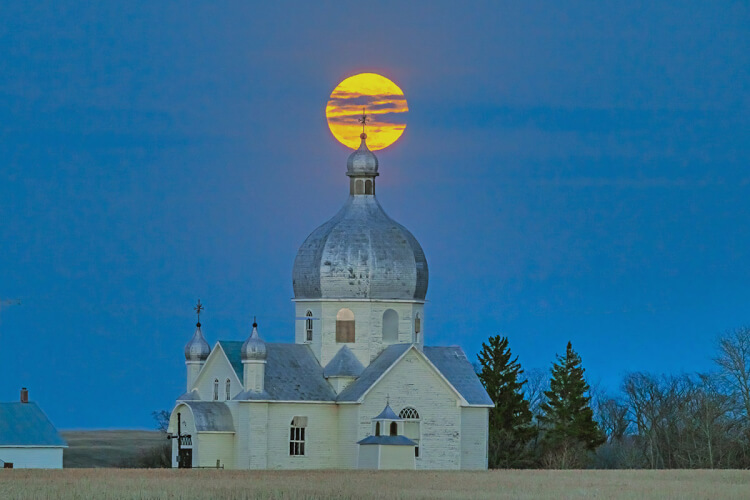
x,y
198,310
363,120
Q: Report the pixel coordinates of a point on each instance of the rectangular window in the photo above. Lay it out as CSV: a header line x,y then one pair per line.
x,y
297,436
344,331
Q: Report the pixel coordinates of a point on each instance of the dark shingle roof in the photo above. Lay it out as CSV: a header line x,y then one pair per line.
x,y
343,364
453,364
292,373
25,424
397,440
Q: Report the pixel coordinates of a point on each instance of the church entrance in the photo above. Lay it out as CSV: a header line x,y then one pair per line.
x,y
185,459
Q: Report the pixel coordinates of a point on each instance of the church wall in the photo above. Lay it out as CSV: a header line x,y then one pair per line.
x,y
217,367
396,457
474,424
348,435
411,382
258,430
321,436
215,446
369,457
368,326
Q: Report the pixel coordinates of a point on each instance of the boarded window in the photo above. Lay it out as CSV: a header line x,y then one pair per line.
x,y
297,436
308,327
390,326
417,324
360,188
345,326
368,186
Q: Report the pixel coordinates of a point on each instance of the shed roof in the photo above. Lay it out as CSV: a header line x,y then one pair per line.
x,y
25,424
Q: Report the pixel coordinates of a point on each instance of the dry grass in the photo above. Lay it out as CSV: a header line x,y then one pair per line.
x,y
218,484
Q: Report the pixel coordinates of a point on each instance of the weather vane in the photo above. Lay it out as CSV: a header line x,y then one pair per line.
x,y
198,310
363,120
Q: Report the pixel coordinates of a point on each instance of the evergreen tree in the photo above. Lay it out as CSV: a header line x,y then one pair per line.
x,y
510,421
568,420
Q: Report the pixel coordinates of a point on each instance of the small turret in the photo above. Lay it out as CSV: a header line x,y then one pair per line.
x,y
254,355
196,351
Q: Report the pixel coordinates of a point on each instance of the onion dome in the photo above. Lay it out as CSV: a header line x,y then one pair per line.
x,y
362,162
197,349
254,348
361,253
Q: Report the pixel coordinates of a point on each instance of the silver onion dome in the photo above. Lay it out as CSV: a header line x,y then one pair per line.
x,y
362,161
360,253
197,349
254,348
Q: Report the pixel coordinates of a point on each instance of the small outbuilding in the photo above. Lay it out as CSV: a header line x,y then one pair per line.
x,y
388,448
28,440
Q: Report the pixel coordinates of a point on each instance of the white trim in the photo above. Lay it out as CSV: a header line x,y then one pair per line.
x,y
398,301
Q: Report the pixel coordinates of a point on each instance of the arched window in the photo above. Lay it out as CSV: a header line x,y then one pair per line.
x,y
308,326
345,326
417,327
394,428
377,428
216,389
390,326
359,187
368,186
297,437
228,389
412,428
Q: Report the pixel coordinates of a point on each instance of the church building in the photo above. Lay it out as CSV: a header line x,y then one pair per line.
x,y
358,387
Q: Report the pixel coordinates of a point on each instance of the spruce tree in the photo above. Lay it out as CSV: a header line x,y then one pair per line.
x,y
510,421
567,419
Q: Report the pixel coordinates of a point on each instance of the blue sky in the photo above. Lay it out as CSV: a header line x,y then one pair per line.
x,y
575,172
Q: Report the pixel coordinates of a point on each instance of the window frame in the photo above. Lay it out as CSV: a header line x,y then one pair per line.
x,y
297,437
216,389
410,415
228,389
308,326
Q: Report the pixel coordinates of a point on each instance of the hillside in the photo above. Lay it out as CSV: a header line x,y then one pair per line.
x,y
109,448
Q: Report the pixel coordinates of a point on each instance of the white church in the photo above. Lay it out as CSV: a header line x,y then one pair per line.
x,y
358,388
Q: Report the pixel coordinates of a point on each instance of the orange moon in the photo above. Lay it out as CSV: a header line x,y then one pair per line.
x,y
384,104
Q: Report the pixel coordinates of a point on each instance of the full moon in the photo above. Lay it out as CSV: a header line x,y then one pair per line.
x,y
385,106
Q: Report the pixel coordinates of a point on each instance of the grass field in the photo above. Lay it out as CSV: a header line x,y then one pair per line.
x,y
116,448
219,484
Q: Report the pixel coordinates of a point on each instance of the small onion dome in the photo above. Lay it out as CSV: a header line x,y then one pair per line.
x,y
254,348
362,161
197,349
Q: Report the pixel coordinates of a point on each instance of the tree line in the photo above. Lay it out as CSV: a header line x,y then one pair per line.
x,y
557,420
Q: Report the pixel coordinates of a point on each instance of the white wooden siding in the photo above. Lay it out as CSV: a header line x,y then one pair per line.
x,y
217,367
32,457
474,423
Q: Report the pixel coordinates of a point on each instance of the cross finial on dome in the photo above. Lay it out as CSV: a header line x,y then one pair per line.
x,y
198,308
363,120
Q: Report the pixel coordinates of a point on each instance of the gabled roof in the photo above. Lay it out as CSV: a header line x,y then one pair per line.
x,y
211,416
392,440
292,373
233,350
373,372
25,424
450,362
453,364
343,364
